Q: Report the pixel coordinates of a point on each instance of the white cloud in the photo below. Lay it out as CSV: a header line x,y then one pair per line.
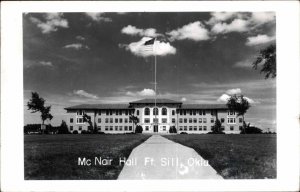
x,y
98,17
132,30
259,39
194,31
234,91
46,63
223,98
52,21
262,17
220,16
76,46
237,25
83,93
144,92
247,63
80,38
237,91
183,99
159,48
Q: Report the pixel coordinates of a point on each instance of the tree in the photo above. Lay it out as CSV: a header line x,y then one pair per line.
x,y
217,127
63,128
172,129
139,129
87,119
37,104
240,105
267,58
134,120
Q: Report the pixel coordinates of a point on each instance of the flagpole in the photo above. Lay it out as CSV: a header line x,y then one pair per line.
x,y
155,80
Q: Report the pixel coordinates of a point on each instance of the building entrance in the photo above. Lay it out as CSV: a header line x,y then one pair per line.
x,y
155,128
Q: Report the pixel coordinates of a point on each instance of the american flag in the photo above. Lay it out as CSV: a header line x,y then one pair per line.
x,y
148,45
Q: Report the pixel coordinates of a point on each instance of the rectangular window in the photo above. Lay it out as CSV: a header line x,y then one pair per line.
x,y
130,121
99,120
204,128
80,112
180,128
164,128
121,120
147,128
190,120
180,112
222,128
184,112
195,128
146,120
107,112
120,112
130,128
180,120
155,120
117,112
194,112
99,128
212,120
111,128
231,112
204,120
120,128
185,128
190,128
195,120
80,128
106,128
106,120
71,128
231,128
185,120
200,128
231,120
191,112
126,120
116,120
164,120
110,112
111,120
126,112
200,112
222,120
79,120
126,128
173,120
71,120
240,120
116,128
203,112
200,120
173,112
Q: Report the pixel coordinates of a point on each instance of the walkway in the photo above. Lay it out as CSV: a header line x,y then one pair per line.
x,y
160,158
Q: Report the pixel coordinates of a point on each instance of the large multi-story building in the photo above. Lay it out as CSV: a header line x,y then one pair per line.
x,y
155,116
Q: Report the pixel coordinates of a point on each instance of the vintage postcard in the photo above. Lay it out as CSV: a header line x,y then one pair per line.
x,y
131,95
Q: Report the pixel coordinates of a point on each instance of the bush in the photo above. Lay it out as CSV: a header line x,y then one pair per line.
x,y
172,129
215,133
75,132
251,130
183,133
139,129
32,128
84,132
100,132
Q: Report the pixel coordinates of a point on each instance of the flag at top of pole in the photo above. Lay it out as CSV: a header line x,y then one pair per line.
x,y
148,45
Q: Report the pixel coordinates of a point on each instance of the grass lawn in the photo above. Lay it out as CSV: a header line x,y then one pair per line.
x,y
235,156
50,157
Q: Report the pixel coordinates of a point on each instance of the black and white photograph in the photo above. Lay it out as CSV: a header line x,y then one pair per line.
x,y
149,97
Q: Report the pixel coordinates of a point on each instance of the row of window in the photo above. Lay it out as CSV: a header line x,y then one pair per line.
x,y
204,120
107,120
203,128
116,128
164,111
164,128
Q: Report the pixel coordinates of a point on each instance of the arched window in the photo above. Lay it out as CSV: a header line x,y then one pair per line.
x,y
147,111
155,111
164,111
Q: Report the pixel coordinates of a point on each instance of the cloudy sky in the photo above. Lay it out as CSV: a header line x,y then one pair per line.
x,y
74,58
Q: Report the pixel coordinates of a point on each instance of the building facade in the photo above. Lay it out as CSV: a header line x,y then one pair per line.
x,y
155,116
